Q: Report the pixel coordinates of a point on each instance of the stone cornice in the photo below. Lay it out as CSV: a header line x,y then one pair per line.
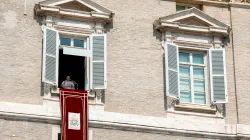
x,y
171,22
198,126
42,10
84,2
163,25
222,3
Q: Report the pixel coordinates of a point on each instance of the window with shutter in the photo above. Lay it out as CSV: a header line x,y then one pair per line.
x,y
98,62
172,70
74,55
218,76
187,75
50,56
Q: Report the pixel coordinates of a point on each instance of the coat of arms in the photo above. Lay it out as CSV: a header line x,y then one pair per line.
x,y
74,121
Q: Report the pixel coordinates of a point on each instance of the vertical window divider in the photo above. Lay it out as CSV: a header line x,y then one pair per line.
x,y
72,42
191,77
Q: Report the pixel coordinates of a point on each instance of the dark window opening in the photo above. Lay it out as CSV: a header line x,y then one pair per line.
x,y
72,66
59,136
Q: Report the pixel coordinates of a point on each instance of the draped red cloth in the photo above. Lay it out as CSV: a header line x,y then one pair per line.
x,y
74,111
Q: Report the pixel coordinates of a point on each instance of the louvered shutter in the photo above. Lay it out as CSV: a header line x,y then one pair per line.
x,y
218,76
98,64
50,56
172,70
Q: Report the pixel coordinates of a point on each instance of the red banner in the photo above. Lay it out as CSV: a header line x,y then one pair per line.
x,y
74,111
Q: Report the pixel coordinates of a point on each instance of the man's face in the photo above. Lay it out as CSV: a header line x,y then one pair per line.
x,y
67,78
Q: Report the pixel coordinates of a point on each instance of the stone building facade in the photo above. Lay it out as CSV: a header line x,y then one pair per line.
x,y
165,69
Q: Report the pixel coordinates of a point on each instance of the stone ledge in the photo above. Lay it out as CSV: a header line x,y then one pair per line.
x,y
195,108
173,123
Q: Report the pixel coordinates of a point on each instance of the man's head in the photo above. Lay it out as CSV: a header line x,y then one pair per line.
x,y
68,78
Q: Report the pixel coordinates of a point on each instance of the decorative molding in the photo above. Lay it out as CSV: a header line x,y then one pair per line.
x,y
98,94
51,7
218,42
75,30
187,124
88,3
169,37
172,23
193,45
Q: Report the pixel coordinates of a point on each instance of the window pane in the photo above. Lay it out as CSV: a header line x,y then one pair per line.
x,y
199,98
199,85
184,71
198,72
180,8
65,41
78,43
198,58
185,97
184,57
184,84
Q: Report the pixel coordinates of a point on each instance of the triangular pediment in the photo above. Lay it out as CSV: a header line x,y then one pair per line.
x,y
77,5
192,20
78,9
194,17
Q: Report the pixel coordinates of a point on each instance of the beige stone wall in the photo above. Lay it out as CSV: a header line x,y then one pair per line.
x,y
104,134
241,33
135,64
134,61
21,52
24,130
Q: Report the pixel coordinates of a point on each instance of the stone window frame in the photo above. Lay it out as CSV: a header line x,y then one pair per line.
x,y
174,105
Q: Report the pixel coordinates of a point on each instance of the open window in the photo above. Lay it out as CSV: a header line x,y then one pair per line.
x,y
82,58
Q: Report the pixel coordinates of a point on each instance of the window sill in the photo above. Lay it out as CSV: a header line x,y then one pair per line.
x,y
57,93
195,108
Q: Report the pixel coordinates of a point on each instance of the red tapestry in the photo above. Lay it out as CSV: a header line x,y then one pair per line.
x,y
74,111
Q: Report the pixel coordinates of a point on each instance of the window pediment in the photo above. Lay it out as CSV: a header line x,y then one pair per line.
x,y
74,8
192,20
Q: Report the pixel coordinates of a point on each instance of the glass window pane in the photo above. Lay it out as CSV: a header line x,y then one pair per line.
x,y
184,84
198,58
198,72
199,98
79,43
184,57
184,71
180,8
199,85
65,41
185,97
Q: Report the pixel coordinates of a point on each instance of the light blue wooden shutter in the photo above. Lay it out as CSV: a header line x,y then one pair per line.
x,y
50,56
98,64
218,76
172,70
